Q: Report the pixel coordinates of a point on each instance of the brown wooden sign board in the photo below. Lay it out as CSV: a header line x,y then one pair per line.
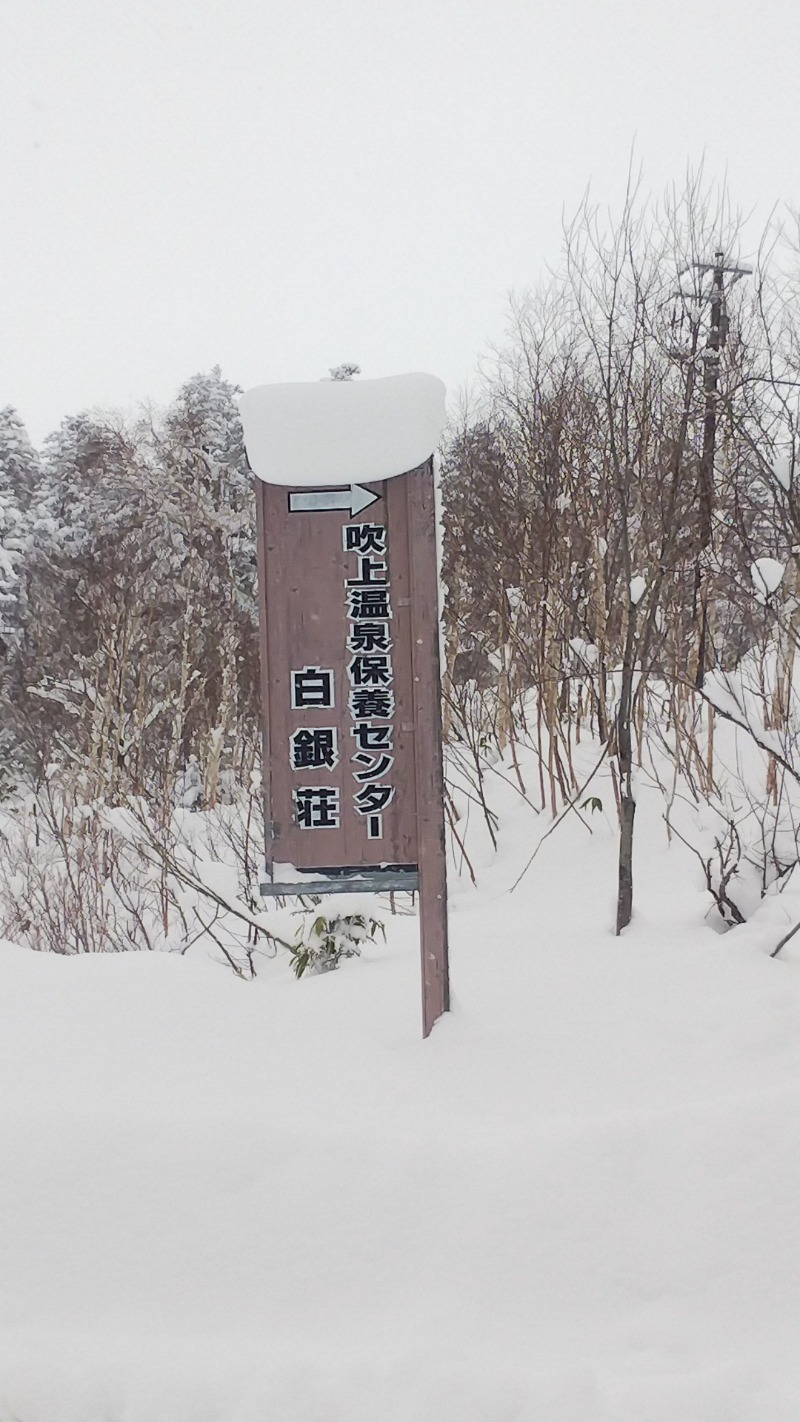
x,y
353,779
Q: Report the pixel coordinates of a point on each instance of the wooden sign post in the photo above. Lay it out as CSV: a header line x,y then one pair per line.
x,y
349,623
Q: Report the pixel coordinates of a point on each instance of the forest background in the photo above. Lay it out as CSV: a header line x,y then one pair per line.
x,y
621,564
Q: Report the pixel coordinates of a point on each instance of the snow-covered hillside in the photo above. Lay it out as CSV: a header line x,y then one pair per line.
x,y
225,1201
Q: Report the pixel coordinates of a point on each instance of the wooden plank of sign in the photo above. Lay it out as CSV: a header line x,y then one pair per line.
x,y
418,489
263,634
304,604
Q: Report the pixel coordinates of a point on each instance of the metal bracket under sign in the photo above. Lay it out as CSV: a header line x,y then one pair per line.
x,y
373,881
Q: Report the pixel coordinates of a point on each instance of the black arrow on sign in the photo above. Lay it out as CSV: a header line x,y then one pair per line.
x,y
354,499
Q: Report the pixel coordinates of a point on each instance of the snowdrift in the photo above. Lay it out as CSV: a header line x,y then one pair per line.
x,y
576,1202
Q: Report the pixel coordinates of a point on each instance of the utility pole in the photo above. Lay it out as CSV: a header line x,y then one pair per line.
x,y
717,337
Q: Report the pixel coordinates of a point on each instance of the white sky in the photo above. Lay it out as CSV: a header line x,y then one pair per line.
x,y
281,185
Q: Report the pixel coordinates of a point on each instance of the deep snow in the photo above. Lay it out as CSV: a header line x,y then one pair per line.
x,y
576,1202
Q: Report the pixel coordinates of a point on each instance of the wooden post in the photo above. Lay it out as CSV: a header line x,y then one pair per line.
x,y
428,745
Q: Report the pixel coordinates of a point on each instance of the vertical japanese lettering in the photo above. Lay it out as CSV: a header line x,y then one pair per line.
x,y
312,688
317,807
370,673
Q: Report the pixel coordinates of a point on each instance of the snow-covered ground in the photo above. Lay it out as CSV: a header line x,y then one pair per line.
x,y
578,1201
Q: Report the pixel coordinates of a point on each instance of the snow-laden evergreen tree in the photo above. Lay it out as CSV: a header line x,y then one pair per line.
x,y
12,544
87,483
19,485
198,451
19,463
91,569
200,448
19,477
141,647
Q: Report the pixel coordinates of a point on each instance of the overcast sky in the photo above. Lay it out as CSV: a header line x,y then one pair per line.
x,y
277,186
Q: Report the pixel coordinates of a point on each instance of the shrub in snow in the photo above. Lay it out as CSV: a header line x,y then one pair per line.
x,y
321,946
746,822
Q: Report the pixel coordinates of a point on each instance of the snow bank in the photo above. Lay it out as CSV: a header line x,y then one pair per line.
x,y
342,431
576,1202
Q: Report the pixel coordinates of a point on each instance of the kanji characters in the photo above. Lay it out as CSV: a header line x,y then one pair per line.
x,y
368,603
371,572
370,672
371,700
375,670
369,637
317,807
367,701
314,748
364,538
313,688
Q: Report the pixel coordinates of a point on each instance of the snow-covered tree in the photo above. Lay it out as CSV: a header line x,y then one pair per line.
x,y
141,650
19,479
198,450
19,463
11,548
19,476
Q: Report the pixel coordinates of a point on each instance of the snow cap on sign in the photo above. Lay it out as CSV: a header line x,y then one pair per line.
x,y
342,431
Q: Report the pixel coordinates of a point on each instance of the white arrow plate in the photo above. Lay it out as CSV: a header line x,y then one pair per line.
x,y
354,500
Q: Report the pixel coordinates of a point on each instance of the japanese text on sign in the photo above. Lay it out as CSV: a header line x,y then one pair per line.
x,y
370,672
371,699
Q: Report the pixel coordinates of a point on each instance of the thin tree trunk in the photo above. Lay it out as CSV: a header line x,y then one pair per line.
x,y
627,798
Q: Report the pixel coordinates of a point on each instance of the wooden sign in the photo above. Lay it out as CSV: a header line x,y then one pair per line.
x,y
349,624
